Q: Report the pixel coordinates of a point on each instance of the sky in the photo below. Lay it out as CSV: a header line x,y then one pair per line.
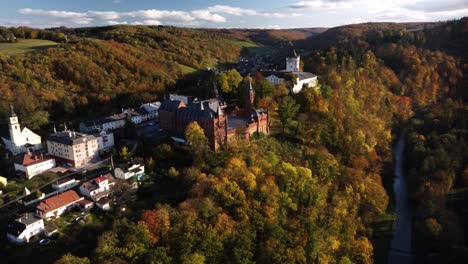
x,y
225,14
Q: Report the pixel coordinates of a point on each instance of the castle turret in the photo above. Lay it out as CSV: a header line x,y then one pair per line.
x,y
293,62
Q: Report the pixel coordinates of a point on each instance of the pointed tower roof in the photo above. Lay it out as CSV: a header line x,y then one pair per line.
x,y
293,54
250,88
12,110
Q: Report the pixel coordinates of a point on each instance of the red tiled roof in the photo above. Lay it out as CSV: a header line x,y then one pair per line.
x,y
100,178
29,159
85,202
58,201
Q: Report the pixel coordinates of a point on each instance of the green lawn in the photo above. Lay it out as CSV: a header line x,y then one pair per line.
x,y
244,44
26,45
254,48
186,69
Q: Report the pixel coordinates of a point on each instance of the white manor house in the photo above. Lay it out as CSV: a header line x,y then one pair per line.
x,y
303,79
20,141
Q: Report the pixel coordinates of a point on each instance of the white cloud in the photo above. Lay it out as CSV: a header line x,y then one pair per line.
x,y
51,13
236,11
208,16
320,4
151,22
113,22
106,15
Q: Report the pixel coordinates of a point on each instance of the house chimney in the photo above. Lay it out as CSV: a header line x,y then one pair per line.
x,y
69,134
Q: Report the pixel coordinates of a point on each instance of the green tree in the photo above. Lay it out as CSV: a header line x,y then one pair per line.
x,y
70,259
197,141
124,153
287,110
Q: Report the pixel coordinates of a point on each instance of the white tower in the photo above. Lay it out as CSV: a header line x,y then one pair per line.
x,y
293,62
15,130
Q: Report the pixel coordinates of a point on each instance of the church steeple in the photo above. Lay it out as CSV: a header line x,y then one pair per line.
x,y
249,97
293,62
12,111
15,130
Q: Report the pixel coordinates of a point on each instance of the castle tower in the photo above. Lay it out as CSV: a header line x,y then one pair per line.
x,y
249,97
293,62
15,130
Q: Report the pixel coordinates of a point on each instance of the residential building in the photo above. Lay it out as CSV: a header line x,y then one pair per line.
x,y
130,170
105,140
65,184
109,123
152,109
99,187
33,163
20,141
57,205
75,148
86,205
25,227
104,203
303,79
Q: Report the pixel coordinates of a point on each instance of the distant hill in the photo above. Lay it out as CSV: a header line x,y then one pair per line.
x,y
342,34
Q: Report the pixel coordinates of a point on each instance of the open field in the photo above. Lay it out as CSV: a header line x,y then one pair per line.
x,y
186,69
26,45
254,48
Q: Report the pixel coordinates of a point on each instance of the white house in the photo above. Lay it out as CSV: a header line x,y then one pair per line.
x,y
57,205
65,184
32,164
20,141
152,109
129,170
303,79
104,203
105,140
25,227
98,188
75,148
109,123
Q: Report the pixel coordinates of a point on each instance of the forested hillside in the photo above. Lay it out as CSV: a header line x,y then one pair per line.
x,y
429,77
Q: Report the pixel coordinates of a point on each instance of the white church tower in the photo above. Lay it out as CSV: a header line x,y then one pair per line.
x,y
293,62
20,141
15,131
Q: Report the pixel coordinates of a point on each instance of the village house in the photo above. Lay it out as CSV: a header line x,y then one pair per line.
x,y
303,79
105,140
25,227
65,184
109,123
98,188
130,170
85,205
31,164
75,148
57,205
20,141
104,203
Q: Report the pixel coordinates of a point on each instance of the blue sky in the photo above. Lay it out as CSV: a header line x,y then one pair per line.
x,y
225,14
